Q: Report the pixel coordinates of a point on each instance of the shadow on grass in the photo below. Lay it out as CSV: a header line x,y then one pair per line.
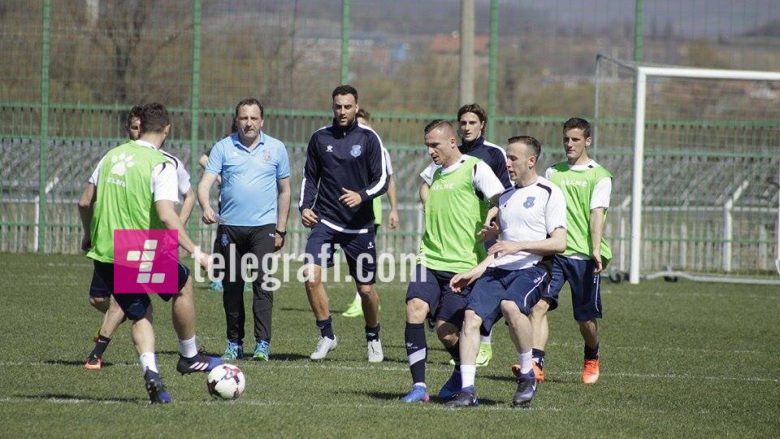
x,y
290,308
77,398
287,356
388,396
79,363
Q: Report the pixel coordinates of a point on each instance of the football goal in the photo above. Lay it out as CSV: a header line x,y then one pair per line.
x,y
696,158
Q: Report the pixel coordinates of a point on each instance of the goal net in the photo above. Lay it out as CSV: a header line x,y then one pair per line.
x,y
696,159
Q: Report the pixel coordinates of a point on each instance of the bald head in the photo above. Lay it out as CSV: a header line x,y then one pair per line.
x,y
442,143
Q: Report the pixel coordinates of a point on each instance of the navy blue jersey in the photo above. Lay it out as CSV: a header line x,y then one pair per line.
x,y
348,158
491,154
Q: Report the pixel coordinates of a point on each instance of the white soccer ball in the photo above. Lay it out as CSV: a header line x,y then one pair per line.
x,y
226,382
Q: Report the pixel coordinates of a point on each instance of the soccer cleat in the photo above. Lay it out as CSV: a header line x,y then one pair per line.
x,y
464,398
324,345
93,363
485,354
198,363
526,389
451,387
375,354
417,394
537,368
262,350
355,309
216,286
590,371
233,351
155,388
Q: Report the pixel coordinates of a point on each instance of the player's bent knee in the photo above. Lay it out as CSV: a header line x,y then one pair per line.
x,y
448,334
137,310
416,311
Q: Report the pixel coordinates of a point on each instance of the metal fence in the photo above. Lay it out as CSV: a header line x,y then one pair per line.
x,y
75,66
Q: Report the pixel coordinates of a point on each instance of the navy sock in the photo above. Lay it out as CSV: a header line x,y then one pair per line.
x,y
455,354
326,327
592,353
372,334
416,350
538,356
100,346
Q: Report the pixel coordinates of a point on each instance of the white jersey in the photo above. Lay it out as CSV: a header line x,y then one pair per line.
x,y
183,184
529,213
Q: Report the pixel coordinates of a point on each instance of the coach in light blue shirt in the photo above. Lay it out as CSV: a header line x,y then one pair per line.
x,y
254,204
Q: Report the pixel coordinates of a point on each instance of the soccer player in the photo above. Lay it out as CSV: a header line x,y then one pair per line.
x,y
586,186
102,298
472,119
532,220
345,169
355,309
450,245
254,205
132,178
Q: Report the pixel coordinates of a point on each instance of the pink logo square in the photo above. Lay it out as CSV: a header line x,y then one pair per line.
x,y
146,261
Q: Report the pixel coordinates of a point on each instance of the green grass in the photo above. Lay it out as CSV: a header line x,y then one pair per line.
x,y
678,360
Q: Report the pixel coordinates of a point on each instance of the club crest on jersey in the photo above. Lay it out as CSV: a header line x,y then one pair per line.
x,y
356,151
267,155
529,202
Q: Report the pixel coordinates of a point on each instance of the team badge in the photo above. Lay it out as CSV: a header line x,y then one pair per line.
x,y
267,155
356,151
529,202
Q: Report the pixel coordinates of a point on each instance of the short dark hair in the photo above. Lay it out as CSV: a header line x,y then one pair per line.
x,y
439,123
365,115
135,112
577,122
249,102
531,142
345,89
476,109
154,118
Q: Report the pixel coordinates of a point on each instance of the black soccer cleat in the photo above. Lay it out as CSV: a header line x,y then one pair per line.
x,y
526,389
156,389
463,398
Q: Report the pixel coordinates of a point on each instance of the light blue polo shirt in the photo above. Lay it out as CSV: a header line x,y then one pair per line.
x,y
248,192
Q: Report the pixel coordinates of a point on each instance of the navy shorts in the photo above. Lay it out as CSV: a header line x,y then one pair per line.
x,y
134,305
359,249
584,283
433,287
523,287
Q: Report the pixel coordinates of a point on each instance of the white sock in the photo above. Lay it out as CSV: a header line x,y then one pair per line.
x,y
468,374
420,384
485,339
148,361
526,361
188,348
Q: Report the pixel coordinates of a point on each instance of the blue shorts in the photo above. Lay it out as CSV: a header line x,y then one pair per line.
x,y
433,288
359,249
134,305
584,283
523,287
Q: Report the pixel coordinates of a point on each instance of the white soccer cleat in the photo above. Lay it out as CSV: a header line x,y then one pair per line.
x,y
375,354
324,345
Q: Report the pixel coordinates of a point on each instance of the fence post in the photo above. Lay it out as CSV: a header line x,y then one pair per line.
x,y
40,219
492,70
195,101
344,41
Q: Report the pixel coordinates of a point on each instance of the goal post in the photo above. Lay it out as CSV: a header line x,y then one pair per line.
x,y
733,99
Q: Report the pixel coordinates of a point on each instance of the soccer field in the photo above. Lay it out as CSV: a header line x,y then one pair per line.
x,y
678,360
